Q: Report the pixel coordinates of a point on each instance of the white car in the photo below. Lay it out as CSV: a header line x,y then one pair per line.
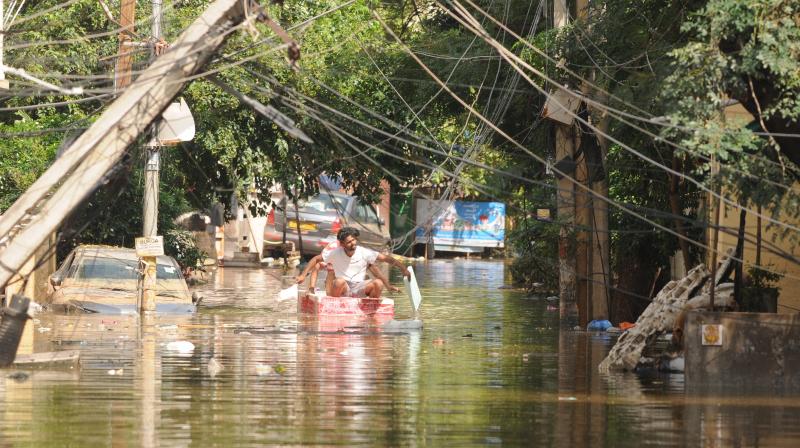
x,y
104,279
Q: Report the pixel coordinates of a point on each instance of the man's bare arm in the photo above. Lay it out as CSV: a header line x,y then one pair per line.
x,y
391,260
311,264
378,274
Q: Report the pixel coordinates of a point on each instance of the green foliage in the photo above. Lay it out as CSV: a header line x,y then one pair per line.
x,y
181,245
535,243
747,51
25,153
764,278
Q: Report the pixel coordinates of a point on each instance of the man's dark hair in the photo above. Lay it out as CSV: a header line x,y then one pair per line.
x,y
347,231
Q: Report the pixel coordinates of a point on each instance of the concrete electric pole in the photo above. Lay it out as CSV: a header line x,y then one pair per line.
x,y
565,202
151,186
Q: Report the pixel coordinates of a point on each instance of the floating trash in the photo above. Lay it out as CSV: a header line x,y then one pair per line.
x,y
394,325
214,367
18,376
180,346
263,369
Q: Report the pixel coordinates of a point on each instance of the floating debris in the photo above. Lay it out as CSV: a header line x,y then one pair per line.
x,y
18,376
214,367
393,325
180,346
263,369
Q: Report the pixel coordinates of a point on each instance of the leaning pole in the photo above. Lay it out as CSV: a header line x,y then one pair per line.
x,y
102,146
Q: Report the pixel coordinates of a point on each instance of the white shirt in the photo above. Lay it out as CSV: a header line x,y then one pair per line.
x,y
352,269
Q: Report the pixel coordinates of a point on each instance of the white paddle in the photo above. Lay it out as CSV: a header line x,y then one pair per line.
x,y
412,289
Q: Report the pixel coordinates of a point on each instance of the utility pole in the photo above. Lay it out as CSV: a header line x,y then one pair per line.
x,y
583,236
151,184
127,18
592,213
565,202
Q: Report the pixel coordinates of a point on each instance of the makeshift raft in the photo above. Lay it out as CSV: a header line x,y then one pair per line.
x,y
324,305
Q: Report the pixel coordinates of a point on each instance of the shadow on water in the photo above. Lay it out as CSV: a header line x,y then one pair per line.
x,y
490,367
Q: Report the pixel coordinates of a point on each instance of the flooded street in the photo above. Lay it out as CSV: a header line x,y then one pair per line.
x,y
489,368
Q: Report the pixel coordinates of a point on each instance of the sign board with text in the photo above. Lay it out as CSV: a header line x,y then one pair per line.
x,y
149,246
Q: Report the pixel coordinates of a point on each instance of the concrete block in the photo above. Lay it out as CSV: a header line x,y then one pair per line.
x,y
742,351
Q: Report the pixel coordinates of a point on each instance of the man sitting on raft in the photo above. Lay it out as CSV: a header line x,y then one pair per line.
x,y
347,268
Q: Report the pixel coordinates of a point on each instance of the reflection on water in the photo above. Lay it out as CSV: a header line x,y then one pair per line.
x,y
490,367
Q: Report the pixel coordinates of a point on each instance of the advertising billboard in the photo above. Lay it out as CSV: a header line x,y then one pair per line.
x,y
461,225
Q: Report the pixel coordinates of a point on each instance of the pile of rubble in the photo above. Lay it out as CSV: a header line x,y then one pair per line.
x,y
666,313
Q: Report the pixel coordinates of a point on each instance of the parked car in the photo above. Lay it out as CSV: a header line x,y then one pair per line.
x,y
104,279
321,217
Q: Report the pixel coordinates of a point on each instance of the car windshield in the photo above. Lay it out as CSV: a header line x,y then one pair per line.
x,y
104,268
323,203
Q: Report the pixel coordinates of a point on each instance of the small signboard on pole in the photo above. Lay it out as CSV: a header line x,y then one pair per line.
x,y
149,246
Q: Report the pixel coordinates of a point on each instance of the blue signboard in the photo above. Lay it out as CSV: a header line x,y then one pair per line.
x,y
458,223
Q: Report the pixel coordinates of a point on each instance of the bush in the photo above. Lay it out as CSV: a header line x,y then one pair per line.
x,y
536,247
181,245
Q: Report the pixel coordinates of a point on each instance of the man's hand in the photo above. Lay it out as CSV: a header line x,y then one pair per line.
x,y
393,288
406,272
300,278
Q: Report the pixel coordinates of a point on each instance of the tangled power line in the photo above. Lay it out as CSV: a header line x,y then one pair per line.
x,y
300,105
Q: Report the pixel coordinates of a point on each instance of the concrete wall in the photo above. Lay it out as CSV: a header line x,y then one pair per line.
x,y
756,351
789,300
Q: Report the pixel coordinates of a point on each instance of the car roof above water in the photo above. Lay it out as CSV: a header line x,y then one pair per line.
x,y
121,253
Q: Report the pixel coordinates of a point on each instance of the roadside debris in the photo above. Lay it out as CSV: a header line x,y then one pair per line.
x,y
599,325
666,313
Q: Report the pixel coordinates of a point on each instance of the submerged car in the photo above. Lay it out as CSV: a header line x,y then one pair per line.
x,y
104,279
320,218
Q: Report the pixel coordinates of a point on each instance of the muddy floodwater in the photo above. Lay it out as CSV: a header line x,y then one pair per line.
x,y
490,367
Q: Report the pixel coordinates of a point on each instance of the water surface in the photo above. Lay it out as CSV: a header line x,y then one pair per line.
x,y
490,368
